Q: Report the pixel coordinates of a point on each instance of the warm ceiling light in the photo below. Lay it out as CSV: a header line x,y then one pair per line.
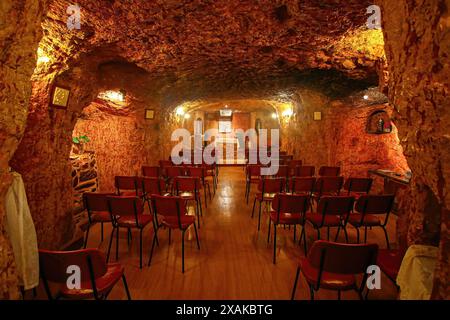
x,y
42,57
274,115
187,116
366,97
288,112
113,96
180,111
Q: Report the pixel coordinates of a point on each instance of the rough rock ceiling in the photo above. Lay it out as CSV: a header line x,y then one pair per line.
x,y
220,45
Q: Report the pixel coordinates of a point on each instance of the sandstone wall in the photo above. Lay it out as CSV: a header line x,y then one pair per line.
x,y
19,43
417,42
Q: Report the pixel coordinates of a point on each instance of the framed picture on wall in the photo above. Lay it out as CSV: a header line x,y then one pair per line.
x,y
317,116
149,114
60,97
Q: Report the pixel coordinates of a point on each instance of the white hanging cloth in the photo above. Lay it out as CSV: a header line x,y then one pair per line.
x,y
22,234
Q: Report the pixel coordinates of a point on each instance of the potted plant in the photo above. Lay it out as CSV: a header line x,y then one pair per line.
x,y
80,142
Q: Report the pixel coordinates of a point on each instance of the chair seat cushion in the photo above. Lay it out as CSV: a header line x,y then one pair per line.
x,y
103,284
267,196
329,221
101,216
130,221
172,221
330,281
369,220
287,218
389,262
131,193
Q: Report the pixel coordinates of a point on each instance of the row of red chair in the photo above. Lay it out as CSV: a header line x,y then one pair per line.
x,y
315,188
332,211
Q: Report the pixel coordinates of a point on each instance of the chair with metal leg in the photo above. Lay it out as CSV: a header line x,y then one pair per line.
x,y
287,209
332,211
368,209
252,176
151,171
267,189
334,266
96,205
127,186
304,171
357,187
189,188
326,171
98,277
327,186
174,215
127,212
200,173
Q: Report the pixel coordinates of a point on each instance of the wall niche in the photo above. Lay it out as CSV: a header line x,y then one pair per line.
x,y
379,122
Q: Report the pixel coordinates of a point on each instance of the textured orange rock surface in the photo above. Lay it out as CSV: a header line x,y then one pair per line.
x,y
167,53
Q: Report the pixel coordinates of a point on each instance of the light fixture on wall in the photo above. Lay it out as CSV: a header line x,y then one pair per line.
x,y
180,111
42,58
113,96
274,115
187,116
366,97
287,113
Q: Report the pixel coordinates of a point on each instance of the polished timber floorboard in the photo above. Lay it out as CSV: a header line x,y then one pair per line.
x,y
234,260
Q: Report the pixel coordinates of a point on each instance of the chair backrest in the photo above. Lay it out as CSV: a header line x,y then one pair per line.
x,y
95,201
125,182
326,171
198,172
254,170
169,207
151,185
305,171
335,205
272,185
375,204
125,207
329,184
151,171
295,163
289,203
174,171
53,264
165,163
360,185
342,258
302,184
186,184
283,171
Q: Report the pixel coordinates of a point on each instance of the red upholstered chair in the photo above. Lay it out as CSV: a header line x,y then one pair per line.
x,y
200,173
211,172
189,188
97,277
326,171
283,171
389,262
127,186
253,175
151,171
327,186
334,266
128,212
174,216
171,173
368,208
332,211
96,205
293,164
267,189
305,171
287,209
357,186
302,185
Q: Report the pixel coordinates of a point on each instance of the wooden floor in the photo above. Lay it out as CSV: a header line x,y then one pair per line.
x,y
234,260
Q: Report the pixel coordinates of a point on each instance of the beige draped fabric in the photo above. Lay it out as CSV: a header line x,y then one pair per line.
x,y
415,277
22,234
